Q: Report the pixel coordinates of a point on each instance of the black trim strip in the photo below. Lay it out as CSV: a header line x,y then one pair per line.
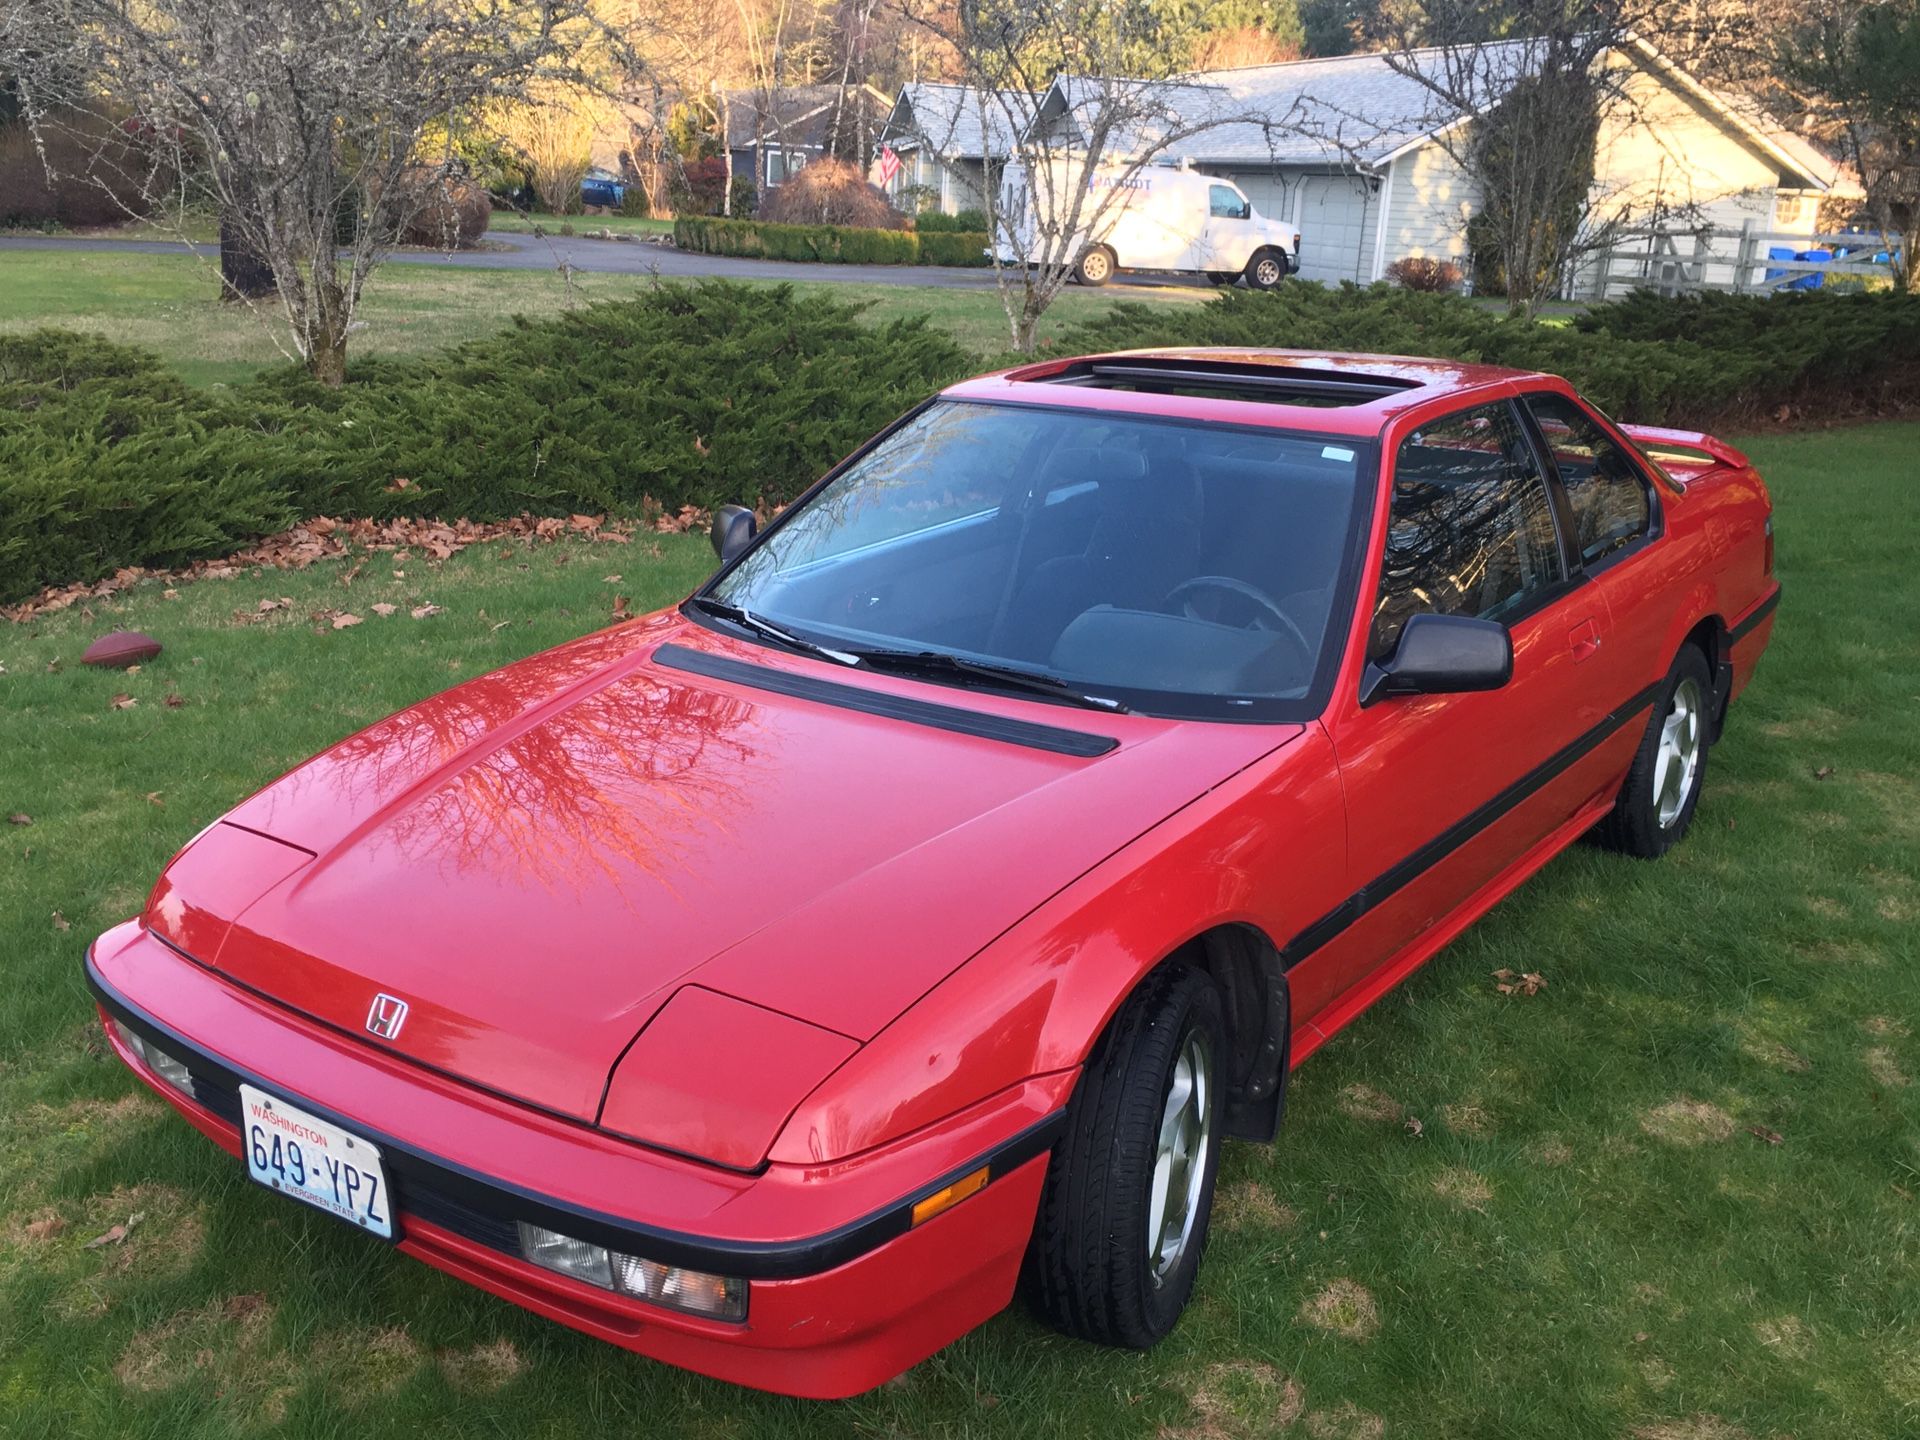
x,y
1389,882
1760,612
892,707
488,1206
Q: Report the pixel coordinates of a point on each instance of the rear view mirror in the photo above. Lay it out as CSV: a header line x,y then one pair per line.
x,y
733,530
1442,655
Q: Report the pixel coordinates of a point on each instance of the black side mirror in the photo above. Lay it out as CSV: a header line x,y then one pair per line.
x,y
1442,655
733,528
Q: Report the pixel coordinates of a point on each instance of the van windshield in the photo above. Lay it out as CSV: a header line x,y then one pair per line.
x,y
1178,568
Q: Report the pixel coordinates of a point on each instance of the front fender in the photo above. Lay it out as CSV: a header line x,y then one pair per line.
x,y
1033,1002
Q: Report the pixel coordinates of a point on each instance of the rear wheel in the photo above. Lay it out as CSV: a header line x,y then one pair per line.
x,y
1096,267
1662,789
1266,269
1129,1190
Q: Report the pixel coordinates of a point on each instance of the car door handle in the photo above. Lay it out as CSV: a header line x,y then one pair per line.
x,y
1584,639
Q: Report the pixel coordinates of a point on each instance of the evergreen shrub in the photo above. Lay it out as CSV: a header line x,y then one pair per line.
x,y
688,395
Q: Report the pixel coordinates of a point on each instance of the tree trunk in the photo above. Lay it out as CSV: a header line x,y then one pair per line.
x,y
327,360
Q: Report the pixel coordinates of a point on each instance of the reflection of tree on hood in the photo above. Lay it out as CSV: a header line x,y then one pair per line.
x,y
520,771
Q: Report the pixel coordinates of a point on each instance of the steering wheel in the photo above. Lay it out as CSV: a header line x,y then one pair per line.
x,y
1265,606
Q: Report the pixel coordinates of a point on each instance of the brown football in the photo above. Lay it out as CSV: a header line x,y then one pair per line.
x,y
121,649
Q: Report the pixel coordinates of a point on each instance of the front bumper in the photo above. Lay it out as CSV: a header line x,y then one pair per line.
x,y
844,1291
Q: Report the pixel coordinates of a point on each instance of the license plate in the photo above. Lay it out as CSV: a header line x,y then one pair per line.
x,y
306,1157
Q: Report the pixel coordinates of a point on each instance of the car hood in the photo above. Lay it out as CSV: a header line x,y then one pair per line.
x,y
537,859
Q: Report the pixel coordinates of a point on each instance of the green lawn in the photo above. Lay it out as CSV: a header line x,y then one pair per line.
x,y
169,304
1588,1233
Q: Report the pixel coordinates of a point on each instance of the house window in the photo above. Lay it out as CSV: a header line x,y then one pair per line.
x,y
783,165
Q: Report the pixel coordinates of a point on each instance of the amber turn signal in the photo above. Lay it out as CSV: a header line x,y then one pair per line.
x,y
948,1196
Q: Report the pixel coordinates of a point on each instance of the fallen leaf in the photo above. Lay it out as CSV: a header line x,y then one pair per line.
x,y
153,799
1760,1132
620,610
1414,1127
341,622
118,1233
169,594
1509,983
20,819
421,612
173,701
383,608
122,701
133,670
501,626
267,605
60,922
397,484
1825,772
610,580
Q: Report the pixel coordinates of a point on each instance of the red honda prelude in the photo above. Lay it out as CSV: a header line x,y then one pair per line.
x,y
772,984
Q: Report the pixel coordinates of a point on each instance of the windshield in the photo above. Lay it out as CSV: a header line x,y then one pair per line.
x,y
1167,566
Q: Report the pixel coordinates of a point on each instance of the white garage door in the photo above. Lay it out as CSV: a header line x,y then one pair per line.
x,y
1333,212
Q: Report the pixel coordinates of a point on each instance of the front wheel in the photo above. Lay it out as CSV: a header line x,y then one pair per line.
x,y
1266,269
1657,802
1129,1190
1096,267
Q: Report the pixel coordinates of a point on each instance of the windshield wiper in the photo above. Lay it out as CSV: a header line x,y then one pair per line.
x,y
767,630
1009,677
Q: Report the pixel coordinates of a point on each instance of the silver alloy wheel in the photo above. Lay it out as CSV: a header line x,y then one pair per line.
x,y
1676,766
1180,1157
1267,272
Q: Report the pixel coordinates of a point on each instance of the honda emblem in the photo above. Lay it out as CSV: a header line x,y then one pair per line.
x,y
388,1014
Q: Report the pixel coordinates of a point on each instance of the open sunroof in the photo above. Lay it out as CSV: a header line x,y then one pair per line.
x,y
1273,384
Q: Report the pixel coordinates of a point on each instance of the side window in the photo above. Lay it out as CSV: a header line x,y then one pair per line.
x,y
1226,203
1608,493
1471,530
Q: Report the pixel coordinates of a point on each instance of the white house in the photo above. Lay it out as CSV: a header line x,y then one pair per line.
x,y
1351,151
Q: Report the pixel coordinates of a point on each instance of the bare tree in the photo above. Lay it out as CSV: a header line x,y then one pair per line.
x,y
316,128
1077,147
1522,118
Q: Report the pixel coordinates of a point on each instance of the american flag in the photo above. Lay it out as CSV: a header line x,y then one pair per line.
x,y
889,165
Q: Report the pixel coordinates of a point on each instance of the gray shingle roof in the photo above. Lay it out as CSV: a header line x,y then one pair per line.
x,y
951,120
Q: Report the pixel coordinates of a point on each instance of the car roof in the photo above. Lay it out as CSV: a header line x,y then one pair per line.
x,y
1318,391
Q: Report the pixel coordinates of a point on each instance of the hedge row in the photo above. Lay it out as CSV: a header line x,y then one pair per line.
x,y
832,244
1705,361
689,395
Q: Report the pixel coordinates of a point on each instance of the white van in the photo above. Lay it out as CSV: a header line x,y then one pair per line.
x,y
1167,218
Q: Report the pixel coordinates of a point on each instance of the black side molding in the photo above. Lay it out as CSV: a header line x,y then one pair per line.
x,y
1760,612
892,707
1384,885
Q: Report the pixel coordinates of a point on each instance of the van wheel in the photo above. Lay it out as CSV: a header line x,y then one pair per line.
x,y
1096,267
1129,1190
1267,269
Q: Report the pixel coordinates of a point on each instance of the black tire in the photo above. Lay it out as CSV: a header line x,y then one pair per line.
x,y
1088,1271
1096,266
1266,269
1645,823
1223,277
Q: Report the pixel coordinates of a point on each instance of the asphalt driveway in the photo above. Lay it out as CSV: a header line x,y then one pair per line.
x,y
609,257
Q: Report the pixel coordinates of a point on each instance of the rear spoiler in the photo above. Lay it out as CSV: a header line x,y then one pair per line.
x,y
1684,447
